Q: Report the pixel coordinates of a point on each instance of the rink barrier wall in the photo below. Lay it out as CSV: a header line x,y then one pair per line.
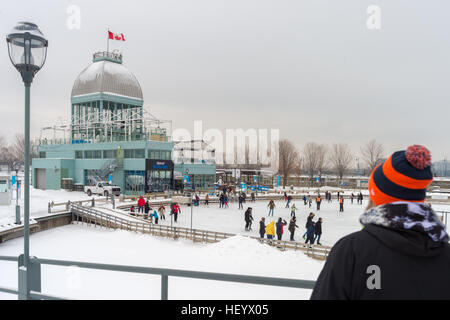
x,y
36,225
33,290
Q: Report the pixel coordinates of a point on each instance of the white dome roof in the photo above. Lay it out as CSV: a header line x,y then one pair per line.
x,y
107,77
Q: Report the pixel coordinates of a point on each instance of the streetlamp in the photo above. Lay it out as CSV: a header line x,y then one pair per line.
x,y
187,173
16,166
27,49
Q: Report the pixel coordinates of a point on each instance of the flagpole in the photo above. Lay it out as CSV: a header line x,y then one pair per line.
x,y
107,45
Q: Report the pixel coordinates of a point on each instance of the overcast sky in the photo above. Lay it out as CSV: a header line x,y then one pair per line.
x,y
311,68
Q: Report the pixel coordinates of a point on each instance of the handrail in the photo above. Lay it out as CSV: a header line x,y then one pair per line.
x,y
163,272
284,282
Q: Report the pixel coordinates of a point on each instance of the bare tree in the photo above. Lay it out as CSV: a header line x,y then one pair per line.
x,y
372,154
310,159
18,148
314,159
288,158
341,156
322,159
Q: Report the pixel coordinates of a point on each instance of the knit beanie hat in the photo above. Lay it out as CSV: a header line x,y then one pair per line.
x,y
404,176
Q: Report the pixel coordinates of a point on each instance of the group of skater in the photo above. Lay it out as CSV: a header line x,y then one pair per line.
x,y
155,214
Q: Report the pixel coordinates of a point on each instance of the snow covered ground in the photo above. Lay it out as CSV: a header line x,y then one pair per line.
x,y
239,255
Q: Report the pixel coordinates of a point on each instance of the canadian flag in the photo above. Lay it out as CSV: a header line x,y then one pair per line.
x,y
114,36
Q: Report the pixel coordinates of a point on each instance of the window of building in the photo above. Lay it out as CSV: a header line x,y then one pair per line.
x,y
42,155
88,154
109,154
139,153
135,181
134,153
97,154
78,154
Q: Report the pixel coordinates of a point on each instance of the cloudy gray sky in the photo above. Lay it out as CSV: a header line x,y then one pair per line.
x,y
311,68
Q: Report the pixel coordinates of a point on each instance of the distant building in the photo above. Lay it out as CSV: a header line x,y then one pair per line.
x,y
110,136
441,168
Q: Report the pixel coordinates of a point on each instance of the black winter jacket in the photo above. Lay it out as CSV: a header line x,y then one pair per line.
x,y
411,266
318,228
262,227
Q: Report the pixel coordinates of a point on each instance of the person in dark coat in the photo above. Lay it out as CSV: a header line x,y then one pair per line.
x,y
248,218
262,227
318,231
310,233
403,251
146,209
308,222
291,227
279,227
221,200
241,200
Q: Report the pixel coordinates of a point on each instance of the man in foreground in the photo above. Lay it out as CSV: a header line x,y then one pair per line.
x,y
403,250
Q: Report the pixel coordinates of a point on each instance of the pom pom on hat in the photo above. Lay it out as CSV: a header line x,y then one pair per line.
x,y
418,156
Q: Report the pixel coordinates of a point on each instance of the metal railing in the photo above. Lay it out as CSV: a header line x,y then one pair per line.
x,y
34,274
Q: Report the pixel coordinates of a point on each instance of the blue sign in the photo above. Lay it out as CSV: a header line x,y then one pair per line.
x,y
110,178
243,185
13,180
317,179
278,181
186,178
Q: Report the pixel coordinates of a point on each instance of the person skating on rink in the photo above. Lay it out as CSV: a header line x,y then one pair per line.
x,y
351,198
289,198
279,225
141,204
310,233
162,211
221,200
248,218
293,208
154,215
262,227
271,206
225,201
308,223
403,250
241,201
292,227
207,200
318,231
270,230
309,201
175,210
318,202
304,200
341,204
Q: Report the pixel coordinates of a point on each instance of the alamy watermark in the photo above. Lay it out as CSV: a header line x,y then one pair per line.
x,y
232,147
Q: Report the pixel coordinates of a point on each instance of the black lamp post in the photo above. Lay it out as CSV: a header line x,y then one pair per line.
x,y
27,50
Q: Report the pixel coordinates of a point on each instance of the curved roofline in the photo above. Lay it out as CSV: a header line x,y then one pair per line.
x,y
117,81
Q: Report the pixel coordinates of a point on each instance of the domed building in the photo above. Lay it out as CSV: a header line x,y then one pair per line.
x,y
111,139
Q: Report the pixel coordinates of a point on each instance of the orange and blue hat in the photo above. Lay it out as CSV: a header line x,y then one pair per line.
x,y
404,176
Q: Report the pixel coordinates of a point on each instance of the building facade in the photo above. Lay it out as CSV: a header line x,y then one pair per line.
x,y
110,138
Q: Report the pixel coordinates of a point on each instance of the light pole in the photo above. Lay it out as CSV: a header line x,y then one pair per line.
x,y
193,186
27,49
16,169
